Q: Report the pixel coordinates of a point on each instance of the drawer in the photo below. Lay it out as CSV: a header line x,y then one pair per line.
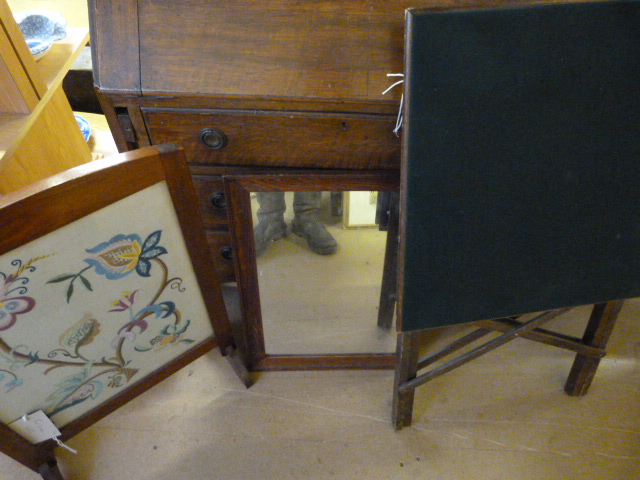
x,y
308,140
222,254
211,200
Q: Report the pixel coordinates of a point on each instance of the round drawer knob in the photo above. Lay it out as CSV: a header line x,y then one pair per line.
x,y
213,138
227,253
218,200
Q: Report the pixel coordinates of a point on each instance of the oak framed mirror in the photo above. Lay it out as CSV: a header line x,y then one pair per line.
x,y
310,287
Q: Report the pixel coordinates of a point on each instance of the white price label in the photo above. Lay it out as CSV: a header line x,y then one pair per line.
x,y
35,427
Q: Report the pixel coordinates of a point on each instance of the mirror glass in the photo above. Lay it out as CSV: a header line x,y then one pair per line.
x,y
320,259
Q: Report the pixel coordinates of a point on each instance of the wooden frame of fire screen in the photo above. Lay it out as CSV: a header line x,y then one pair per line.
x,y
113,256
238,189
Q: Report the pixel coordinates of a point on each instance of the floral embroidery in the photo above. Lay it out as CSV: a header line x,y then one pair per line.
x,y
169,335
123,253
81,333
13,384
117,257
127,301
14,381
11,308
12,299
72,390
150,251
113,260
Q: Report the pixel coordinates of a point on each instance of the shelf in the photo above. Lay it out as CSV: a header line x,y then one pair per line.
x,y
52,69
55,64
13,126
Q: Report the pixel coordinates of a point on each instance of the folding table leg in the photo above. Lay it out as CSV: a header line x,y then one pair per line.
x,y
408,363
50,471
406,368
601,323
388,293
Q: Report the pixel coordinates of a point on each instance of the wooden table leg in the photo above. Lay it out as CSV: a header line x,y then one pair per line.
x,y
50,471
388,291
406,368
234,359
603,318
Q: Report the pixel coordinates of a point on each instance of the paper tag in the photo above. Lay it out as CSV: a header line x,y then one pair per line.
x,y
35,427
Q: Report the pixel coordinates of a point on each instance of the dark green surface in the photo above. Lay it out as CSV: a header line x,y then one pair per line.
x,y
522,161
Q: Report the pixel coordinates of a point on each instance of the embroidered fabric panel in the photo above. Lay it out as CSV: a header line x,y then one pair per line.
x,y
96,306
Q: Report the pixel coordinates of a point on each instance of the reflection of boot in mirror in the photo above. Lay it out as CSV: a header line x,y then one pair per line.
x,y
306,223
271,226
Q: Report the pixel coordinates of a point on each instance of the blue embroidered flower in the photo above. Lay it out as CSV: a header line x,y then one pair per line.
x,y
123,254
150,250
116,258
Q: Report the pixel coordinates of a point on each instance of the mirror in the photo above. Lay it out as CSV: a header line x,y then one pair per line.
x,y
325,299
311,265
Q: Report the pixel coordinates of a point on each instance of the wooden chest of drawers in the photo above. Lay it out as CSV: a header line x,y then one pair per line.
x,y
219,142
274,138
213,207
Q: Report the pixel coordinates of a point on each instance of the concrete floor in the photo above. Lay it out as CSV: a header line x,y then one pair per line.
x,y
504,416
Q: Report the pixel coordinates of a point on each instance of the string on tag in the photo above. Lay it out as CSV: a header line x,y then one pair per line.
x,y
398,126
37,427
59,442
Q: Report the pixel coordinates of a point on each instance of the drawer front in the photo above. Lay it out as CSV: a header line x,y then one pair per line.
x,y
211,200
222,254
279,139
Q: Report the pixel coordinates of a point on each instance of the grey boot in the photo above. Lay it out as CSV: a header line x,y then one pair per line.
x,y
271,226
306,223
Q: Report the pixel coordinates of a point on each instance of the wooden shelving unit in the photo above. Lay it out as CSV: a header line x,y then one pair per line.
x,y
39,135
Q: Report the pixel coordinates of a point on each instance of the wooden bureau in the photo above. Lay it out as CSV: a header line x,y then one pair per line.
x,y
247,84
